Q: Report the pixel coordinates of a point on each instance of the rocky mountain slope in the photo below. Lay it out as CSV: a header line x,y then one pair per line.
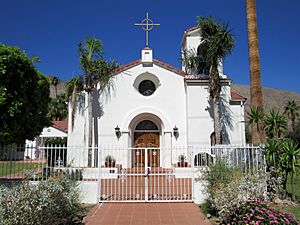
x,y
273,98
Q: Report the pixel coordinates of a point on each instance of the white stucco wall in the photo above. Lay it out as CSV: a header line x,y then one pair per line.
x,y
77,134
199,120
238,132
127,107
166,104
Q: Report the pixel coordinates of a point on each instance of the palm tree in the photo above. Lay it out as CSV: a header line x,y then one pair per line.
x,y
290,159
55,81
59,108
217,43
255,81
275,124
73,87
255,118
291,110
97,77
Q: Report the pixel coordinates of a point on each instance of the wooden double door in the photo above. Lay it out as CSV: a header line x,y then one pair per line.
x,y
146,143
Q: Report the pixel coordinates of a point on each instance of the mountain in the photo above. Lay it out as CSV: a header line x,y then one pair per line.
x,y
273,98
60,89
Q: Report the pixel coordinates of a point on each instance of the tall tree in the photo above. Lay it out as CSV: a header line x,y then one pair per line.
x,y
255,118
73,87
256,96
97,77
55,81
292,112
24,97
217,43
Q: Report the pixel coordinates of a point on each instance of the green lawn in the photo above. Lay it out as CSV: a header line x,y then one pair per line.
x,y
295,211
15,167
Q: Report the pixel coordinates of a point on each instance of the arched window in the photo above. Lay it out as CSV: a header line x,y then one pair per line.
x,y
203,159
213,139
203,68
146,125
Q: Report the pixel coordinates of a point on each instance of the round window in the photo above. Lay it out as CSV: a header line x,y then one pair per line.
x,y
147,87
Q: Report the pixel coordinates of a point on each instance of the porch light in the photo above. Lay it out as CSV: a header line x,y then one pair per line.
x,y
175,132
118,132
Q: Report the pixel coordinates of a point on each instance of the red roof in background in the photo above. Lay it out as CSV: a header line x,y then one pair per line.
x,y
236,96
61,125
155,61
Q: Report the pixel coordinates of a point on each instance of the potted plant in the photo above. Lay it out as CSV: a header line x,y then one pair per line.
x,y
182,161
110,161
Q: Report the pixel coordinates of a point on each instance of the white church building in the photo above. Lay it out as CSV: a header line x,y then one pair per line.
x,y
151,99
154,116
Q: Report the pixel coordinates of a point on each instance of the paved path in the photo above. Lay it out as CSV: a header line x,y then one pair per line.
x,y
146,214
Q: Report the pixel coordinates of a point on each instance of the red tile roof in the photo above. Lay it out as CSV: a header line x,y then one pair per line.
x,y
61,125
192,28
155,61
127,66
169,67
236,96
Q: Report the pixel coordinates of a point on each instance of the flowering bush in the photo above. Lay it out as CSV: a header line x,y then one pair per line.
x,y
55,202
256,212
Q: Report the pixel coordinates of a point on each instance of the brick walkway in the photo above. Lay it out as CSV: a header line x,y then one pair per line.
x,y
146,214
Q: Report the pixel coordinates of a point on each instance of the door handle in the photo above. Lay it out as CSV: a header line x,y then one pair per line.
x,y
147,171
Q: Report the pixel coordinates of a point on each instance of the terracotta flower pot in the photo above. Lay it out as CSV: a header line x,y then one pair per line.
x,y
110,164
182,164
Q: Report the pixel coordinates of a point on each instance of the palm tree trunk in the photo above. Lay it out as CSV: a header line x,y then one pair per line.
x,y
293,125
293,182
255,81
217,127
55,91
90,125
285,181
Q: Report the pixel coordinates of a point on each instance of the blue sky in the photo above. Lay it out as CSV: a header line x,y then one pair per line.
x,y
52,30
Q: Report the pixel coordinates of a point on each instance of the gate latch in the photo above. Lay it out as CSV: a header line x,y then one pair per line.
x,y
147,171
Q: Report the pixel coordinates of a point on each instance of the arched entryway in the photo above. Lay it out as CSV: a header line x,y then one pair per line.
x,y
146,143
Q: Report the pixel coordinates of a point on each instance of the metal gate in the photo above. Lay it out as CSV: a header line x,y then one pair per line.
x,y
151,176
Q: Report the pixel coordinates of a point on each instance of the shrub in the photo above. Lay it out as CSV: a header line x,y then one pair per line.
x,y
228,186
1,216
256,212
55,202
239,190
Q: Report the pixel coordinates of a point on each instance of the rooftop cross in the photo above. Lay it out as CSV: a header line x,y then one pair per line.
x,y
147,25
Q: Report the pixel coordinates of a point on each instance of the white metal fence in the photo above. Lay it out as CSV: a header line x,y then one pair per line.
x,y
127,174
